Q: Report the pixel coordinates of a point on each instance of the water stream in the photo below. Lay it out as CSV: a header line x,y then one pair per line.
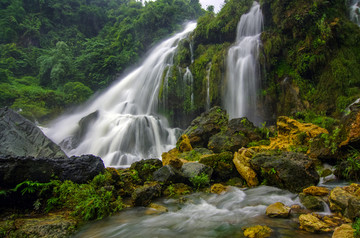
x,y
204,215
243,75
122,124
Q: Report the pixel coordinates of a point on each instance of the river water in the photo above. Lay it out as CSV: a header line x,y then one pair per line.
x,y
204,215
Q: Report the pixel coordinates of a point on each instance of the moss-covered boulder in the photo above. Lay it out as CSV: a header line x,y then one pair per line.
x,y
205,126
287,170
177,190
278,209
242,163
344,231
257,231
311,202
222,164
313,223
191,170
146,168
346,200
142,196
168,174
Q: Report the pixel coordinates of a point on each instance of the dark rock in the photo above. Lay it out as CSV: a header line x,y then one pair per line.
x,y
222,164
190,170
84,124
205,126
146,168
143,195
313,203
21,137
167,174
14,170
287,170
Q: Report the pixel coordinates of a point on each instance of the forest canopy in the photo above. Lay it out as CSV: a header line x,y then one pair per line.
x,y
54,54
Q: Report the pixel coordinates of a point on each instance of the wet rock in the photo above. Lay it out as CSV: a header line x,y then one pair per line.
x,y
350,128
218,188
278,209
316,191
242,163
312,202
190,170
176,163
312,223
344,231
14,170
177,189
170,155
222,164
154,208
205,126
287,170
168,174
146,168
345,200
21,137
142,196
258,231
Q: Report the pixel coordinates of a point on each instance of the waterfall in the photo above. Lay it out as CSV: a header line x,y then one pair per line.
x,y
189,81
207,106
242,73
122,125
355,11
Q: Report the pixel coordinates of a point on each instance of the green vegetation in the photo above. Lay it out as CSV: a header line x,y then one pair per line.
x,y
55,54
350,168
199,181
356,226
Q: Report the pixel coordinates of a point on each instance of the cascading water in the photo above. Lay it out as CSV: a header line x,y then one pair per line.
x,y
189,81
242,73
121,125
355,11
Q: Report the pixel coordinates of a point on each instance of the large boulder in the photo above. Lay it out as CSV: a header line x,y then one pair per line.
x,y
287,170
242,163
313,223
168,174
21,137
142,196
346,200
222,164
238,134
14,170
350,128
278,209
190,170
205,126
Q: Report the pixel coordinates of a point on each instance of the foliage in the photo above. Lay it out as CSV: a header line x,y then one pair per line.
x,y
199,181
350,168
356,226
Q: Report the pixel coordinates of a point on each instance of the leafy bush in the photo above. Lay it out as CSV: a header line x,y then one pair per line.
x,y
200,180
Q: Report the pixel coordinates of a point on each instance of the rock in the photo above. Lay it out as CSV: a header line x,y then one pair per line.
x,y
14,170
154,208
258,231
170,155
205,126
183,144
142,196
292,133
278,209
218,188
312,223
21,137
52,225
168,174
176,163
190,170
312,202
350,128
222,164
346,200
242,163
344,231
146,168
238,134
286,170
316,191
177,189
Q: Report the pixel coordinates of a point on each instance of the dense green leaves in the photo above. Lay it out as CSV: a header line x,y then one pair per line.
x,y
73,48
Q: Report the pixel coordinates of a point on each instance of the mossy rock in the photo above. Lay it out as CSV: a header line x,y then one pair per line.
x,y
222,164
177,190
146,168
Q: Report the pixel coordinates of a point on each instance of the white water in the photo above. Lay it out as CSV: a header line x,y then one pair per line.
x,y
242,73
127,127
355,11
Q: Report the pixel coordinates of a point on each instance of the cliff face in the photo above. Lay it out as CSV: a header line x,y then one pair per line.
x,y
309,60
